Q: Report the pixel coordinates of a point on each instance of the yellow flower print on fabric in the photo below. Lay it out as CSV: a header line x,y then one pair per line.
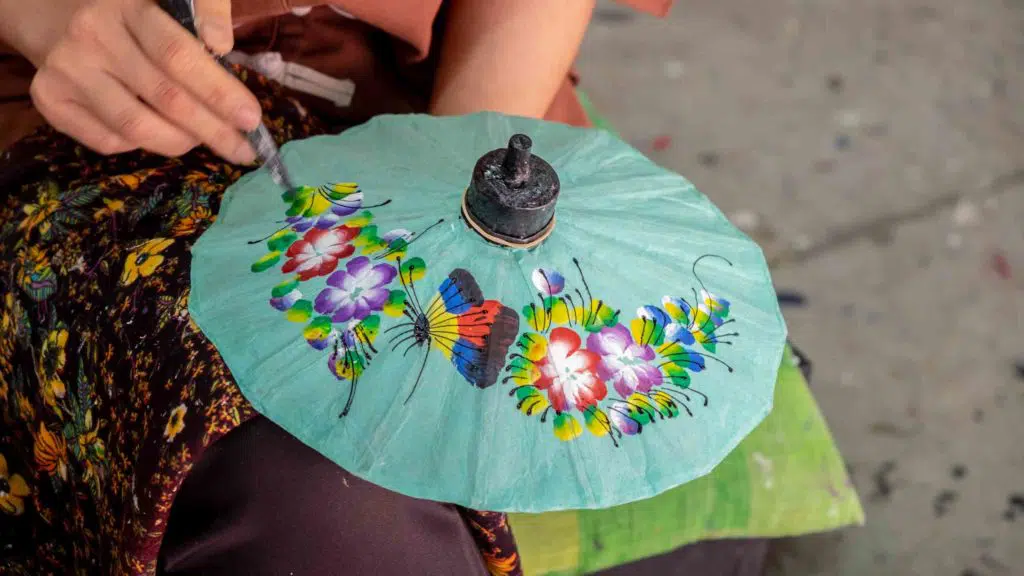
x,y
50,451
13,490
52,358
176,422
144,260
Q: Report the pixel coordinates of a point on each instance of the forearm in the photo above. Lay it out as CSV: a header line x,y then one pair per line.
x,y
508,56
32,26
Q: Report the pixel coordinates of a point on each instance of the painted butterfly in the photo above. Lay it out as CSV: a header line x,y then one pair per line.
x,y
472,333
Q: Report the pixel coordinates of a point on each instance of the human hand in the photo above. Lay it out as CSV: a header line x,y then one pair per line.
x,y
124,75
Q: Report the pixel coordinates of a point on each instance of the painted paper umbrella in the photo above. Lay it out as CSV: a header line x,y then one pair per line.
x,y
497,312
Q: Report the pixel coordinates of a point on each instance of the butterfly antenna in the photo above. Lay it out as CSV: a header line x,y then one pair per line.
x,y
412,288
409,290
402,338
399,326
426,355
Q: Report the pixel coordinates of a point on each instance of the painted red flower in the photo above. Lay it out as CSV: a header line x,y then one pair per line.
x,y
568,373
318,252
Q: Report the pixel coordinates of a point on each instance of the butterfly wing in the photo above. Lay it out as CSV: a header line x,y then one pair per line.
x,y
473,333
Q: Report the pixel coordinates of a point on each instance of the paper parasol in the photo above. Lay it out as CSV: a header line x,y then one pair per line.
x,y
458,321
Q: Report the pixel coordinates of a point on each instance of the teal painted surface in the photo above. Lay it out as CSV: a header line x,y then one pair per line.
x,y
636,230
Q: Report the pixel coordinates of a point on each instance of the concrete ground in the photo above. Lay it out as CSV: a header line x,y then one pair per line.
x,y
876,150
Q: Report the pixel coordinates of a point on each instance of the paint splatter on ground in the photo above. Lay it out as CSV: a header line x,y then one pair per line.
x,y
882,481
708,159
1014,507
661,143
1001,266
835,83
791,298
943,501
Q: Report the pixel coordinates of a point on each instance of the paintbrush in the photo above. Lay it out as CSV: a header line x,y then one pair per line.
x,y
260,139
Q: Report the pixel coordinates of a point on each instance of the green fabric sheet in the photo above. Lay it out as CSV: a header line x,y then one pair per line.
x,y
785,479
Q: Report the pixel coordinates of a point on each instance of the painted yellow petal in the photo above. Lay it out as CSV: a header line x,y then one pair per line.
x,y
318,205
150,265
560,312
18,486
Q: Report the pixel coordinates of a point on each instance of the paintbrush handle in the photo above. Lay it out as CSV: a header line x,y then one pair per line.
x,y
260,139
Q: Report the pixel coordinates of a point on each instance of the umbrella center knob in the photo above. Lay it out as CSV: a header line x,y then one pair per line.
x,y
511,197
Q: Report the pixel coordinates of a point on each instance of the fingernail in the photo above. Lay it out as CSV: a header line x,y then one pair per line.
x,y
217,37
244,154
248,118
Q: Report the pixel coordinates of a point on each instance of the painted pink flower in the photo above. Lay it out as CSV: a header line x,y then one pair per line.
x,y
624,363
568,373
318,252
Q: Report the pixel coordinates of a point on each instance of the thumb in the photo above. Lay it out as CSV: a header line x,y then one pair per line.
x,y
213,22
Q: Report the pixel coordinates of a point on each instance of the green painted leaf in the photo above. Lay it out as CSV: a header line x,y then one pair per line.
x,y
281,240
266,262
318,328
300,311
413,269
395,304
284,288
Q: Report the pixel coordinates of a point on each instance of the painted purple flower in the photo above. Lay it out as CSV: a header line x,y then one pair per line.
x,y
286,300
357,291
621,417
624,363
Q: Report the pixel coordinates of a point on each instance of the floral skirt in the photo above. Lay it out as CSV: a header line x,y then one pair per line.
x,y
109,393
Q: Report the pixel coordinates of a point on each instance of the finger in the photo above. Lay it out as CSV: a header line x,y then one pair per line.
x,y
121,111
213,19
175,103
185,60
71,118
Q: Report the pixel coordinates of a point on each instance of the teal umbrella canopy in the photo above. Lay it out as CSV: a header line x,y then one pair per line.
x,y
527,329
